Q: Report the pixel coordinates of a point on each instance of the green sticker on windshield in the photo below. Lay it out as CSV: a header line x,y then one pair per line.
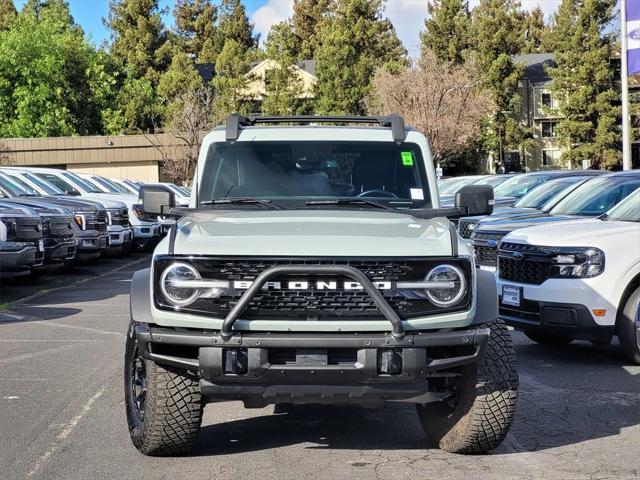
x,y
407,159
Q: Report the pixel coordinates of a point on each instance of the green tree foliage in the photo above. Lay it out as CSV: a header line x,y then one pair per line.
x,y
497,35
283,85
354,40
307,15
535,31
181,77
584,83
138,37
230,81
7,13
447,29
196,29
234,25
134,108
45,63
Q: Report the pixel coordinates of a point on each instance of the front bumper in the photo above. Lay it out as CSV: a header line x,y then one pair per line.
x,y
149,232
314,368
90,245
56,251
19,262
120,236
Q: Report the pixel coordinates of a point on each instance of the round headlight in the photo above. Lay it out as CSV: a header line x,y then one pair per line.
x,y
446,296
179,296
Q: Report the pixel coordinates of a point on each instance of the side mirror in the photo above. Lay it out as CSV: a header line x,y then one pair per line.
x,y
156,199
475,199
73,192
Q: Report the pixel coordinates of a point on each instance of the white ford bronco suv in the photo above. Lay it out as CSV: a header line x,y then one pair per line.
x,y
314,265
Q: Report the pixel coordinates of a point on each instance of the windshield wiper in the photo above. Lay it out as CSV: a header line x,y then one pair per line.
x,y
348,201
242,201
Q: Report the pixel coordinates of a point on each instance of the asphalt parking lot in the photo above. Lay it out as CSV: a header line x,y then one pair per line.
x,y
62,414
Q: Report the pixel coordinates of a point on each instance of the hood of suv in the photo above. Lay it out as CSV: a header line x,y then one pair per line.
x,y
111,200
314,233
507,225
577,233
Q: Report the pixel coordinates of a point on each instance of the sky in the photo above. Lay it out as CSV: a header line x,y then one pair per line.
x,y
406,15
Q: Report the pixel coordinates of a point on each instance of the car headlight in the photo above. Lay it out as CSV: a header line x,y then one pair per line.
x,y
578,262
171,280
449,285
80,220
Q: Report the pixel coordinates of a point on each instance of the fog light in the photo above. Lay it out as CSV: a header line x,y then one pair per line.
x,y
389,362
235,361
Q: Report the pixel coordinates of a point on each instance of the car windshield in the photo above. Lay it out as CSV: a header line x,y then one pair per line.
x,y
109,185
59,182
519,185
47,187
493,180
16,186
130,189
628,210
295,172
538,197
596,196
82,183
456,184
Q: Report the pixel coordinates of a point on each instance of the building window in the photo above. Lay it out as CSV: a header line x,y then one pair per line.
x,y
547,101
549,129
551,158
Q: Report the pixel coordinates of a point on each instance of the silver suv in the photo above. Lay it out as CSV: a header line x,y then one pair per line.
x,y
314,265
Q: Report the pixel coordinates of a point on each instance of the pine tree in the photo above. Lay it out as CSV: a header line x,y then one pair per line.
x,y
354,40
233,24
535,31
584,83
138,36
497,35
7,13
447,29
232,66
195,25
307,14
284,87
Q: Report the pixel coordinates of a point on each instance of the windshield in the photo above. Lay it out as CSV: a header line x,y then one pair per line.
x,y
16,187
538,197
627,210
596,196
59,182
455,184
128,189
82,183
493,180
109,185
47,187
299,171
519,185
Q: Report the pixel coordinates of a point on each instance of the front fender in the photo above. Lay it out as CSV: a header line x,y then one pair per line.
x,y
140,300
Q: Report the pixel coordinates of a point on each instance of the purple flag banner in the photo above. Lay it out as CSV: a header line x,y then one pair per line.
x,y
633,34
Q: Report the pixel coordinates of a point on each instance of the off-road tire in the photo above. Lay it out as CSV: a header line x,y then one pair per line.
x,y
486,404
173,410
547,338
626,327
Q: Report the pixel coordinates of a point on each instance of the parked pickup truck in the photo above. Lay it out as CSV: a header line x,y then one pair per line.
x,y
21,243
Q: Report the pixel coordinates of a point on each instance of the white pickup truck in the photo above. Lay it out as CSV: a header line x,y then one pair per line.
x,y
576,280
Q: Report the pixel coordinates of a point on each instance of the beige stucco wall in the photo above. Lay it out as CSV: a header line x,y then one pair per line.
x,y
144,171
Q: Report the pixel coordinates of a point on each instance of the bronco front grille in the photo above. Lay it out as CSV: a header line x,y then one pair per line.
x,y
313,303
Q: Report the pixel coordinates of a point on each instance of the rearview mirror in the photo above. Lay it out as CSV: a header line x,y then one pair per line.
x,y
475,199
157,199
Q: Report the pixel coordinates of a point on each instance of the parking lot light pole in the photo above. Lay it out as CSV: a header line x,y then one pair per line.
x,y
624,73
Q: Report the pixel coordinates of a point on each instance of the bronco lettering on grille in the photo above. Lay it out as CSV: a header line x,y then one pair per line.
x,y
306,285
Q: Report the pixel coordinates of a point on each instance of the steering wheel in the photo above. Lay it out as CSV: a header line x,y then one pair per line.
x,y
378,193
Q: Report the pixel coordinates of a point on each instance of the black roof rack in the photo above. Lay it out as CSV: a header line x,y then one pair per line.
x,y
236,121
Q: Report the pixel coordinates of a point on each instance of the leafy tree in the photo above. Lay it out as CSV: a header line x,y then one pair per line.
x,y
447,29
307,15
196,29
138,37
230,81
535,31
134,109
181,77
284,86
497,35
233,24
354,40
7,13
584,82
44,84
444,100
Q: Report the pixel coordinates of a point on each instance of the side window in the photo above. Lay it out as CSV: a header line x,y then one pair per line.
x,y
58,182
